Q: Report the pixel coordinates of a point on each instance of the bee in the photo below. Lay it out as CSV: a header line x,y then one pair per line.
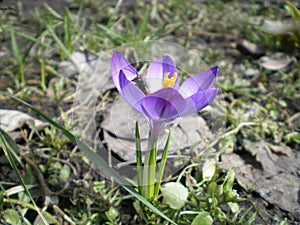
x,y
141,83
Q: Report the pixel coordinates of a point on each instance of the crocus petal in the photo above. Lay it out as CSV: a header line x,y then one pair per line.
x,y
199,101
163,105
131,93
156,71
202,81
119,63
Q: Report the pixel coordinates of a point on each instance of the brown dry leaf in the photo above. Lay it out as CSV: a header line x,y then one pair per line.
x,y
94,70
281,190
79,62
12,120
245,173
248,48
119,126
276,62
279,182
266,158
281,149
281,27
275,176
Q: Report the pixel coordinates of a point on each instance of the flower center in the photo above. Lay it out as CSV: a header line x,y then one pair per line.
x,y
169,82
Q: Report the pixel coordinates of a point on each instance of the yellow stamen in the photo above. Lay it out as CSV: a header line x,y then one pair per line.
x,y
169,82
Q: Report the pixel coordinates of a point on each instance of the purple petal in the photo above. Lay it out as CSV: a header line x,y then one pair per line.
x,y
156,71
199,82
131,93
165,105
118,63
199,101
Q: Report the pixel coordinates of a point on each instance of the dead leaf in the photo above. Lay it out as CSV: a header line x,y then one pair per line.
x,y
244,173
281,27
248,48
84,62
266,158
279,181
281,149
12,120
276,62
281,190
94,70
252,73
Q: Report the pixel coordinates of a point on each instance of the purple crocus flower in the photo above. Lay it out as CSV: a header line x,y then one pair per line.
x,y
159,98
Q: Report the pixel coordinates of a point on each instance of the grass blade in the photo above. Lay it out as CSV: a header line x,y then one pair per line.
x,y
241,220
17,55
64,50
9,146
111,34
162,164
68,31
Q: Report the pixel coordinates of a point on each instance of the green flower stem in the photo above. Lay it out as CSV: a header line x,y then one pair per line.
x,y
151,171
162,165
150,163
138,158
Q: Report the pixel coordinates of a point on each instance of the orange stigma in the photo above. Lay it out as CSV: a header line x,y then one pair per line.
x,y
169,82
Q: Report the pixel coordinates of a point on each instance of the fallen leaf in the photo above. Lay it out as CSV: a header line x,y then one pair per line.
x,y
252,73
281,149
281,27
244,173
277,180
282,190
266,158
79,61
248,48
275,62
12,120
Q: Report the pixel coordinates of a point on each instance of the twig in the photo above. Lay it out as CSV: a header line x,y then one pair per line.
x,y
39,175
